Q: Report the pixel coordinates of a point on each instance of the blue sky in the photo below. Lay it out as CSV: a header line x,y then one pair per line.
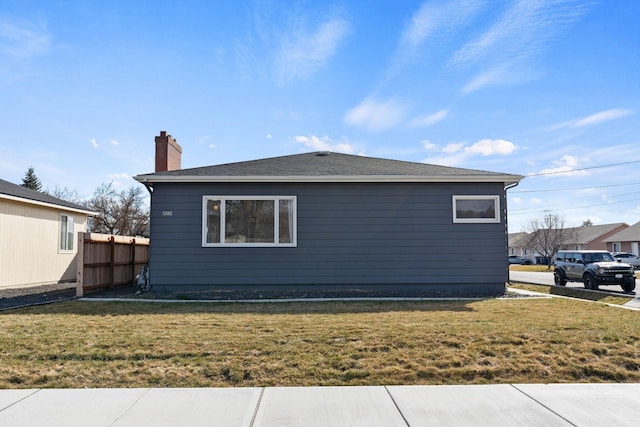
x,y
546,89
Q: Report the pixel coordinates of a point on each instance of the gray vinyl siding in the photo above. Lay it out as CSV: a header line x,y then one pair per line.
x,y
349,235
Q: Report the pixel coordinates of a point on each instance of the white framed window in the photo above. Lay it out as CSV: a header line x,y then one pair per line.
x,y
476,209
66,233
249,221
617,247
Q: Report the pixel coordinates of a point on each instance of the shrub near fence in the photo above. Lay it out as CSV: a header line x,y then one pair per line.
x,y
105,261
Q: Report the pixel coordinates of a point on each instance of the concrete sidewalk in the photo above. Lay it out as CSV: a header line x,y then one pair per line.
x,y
478,405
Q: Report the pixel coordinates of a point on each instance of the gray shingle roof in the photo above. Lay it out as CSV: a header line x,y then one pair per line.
x,y
631,234
15,190
327,166
584,235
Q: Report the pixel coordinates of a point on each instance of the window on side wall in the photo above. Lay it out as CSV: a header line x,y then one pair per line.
x,y
476,209
249,221
66,233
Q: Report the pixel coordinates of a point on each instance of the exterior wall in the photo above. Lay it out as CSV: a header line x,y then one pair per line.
x,y
29,242
396,237
631,247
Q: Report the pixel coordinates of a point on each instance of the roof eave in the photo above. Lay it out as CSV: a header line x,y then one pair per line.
x,y
506,179
48,205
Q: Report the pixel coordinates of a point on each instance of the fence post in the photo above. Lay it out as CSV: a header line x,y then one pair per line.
x,y
80,266
133,260
112,260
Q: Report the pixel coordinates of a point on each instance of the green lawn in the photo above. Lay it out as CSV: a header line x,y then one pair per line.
x,y
513,340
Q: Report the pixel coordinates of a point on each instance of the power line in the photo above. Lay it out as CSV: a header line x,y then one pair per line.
x,y
582,169
526,211
572,188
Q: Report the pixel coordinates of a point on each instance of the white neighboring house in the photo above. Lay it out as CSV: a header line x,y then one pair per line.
x,y
518,246
38,236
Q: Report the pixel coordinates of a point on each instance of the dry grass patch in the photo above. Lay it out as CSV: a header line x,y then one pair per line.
x,y
89,344
532,268
573,293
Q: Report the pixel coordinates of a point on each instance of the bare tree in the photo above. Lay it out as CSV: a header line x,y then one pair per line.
x,y
548,234
120,213
66,194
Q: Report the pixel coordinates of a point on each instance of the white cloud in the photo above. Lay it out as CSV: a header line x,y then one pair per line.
x,y
429,119
269,136
488,147
454,147
566,166
324,144
376,115
304,51
213,146
94,143
428,145
114,142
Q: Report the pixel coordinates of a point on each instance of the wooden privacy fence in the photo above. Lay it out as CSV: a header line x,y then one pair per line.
x,y
105,261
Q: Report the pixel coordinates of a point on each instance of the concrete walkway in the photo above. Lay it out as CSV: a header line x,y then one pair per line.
x,y
478,405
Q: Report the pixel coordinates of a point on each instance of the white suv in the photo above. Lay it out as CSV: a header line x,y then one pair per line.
x,y
594,268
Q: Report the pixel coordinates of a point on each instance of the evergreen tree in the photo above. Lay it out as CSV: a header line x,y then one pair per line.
x,y
31,181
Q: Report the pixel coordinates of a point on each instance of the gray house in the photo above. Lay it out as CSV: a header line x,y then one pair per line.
x,y
326,223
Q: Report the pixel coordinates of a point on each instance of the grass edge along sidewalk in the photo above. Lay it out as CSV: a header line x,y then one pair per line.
x,y
79,344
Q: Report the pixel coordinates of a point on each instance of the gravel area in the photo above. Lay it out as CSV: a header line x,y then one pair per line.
x,y
42,294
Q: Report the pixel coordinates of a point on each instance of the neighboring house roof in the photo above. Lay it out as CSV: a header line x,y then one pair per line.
x,y
631,234
587,234
12,191
327,167
518,240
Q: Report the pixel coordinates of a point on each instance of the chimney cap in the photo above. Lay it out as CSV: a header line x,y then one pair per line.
x,y
163,133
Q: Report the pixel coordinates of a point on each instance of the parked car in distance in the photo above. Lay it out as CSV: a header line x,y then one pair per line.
x,y
593,268
515,259
628,258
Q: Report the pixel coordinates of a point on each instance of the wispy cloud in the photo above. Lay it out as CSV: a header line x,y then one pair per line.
x,y
432,18
22,43
602,116
593,119
93,143
429,119
303,51
375,115
324,144
520,33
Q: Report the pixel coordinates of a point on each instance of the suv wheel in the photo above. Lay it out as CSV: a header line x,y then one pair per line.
x,y
629,285
559,278
590,282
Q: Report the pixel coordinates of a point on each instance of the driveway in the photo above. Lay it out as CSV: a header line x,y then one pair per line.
x,y
546,278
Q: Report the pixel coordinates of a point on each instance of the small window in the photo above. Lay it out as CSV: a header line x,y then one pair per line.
x,y
249,221
617,247
66,233
476,209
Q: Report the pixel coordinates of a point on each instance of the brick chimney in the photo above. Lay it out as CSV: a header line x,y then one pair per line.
x,y
168,153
